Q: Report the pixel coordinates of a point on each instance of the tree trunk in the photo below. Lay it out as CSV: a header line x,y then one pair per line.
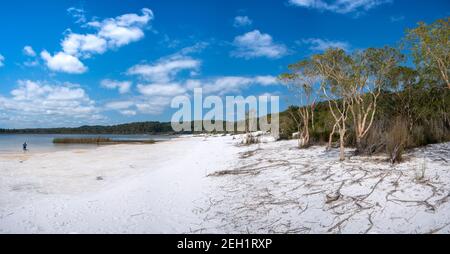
x,y
342,146
330,140
358,145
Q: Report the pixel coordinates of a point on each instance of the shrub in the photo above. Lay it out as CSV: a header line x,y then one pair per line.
x,y
397,139
250,139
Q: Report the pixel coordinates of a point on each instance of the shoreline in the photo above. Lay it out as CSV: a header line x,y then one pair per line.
x,y
46,144
210,184
134,178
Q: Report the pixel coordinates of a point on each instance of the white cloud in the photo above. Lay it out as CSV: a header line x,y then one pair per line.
x,y
241,21
169,90
78,14
122,86
63,62
256,44
83,45
196,48
340,6
124,29
2,60
128,112
164,70
230,84
31,54
117,105
28,51
154,98
112,33
266,80
123,107
34,101
154,106
144,105
161,82
317,44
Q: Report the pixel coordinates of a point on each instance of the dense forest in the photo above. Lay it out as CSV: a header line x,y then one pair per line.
x,y
130,128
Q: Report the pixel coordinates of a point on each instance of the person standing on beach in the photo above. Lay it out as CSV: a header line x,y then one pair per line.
x,y
25,146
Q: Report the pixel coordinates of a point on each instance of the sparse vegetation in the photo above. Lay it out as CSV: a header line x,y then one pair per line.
x,y
250,139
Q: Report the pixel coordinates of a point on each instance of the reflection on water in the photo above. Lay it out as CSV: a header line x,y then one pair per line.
x,y
10,143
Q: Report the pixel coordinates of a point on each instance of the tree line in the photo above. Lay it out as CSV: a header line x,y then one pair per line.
x,y
126,129
371,97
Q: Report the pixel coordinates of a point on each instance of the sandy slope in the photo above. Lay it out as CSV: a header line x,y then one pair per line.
x,y
277,188
197,184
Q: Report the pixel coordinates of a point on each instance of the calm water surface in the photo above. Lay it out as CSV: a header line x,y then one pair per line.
x,y
11,143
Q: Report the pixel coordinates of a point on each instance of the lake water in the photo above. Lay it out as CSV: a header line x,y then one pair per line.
x,y
11,143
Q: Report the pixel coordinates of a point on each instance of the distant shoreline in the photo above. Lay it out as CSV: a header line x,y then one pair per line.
x,y
99,141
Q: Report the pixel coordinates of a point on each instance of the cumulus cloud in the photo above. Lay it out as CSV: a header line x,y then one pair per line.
x,y
158,80
230,84
123,107
340,6
316,44
119,105
29,51
38,101
63,62
164,70
154,98
128,112
161,81
122,86
256,44
242,21
83,45
169,90
31,54
111,33
155,106
2,60
140,104
124,29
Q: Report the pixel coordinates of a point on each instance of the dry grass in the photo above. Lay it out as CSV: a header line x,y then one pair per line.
x,y
397,140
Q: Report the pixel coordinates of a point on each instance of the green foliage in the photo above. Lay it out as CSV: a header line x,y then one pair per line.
x,y
429,122
125,129
430,46
392,107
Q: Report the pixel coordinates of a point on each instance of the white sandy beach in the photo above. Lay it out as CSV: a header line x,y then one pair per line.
x,y
212,185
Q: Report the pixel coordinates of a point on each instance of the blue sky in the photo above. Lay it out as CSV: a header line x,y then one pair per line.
x,y
70,63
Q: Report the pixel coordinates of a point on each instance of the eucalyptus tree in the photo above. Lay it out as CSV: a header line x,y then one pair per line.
x,y
404,84
430,46
370,73
334,67
301,81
